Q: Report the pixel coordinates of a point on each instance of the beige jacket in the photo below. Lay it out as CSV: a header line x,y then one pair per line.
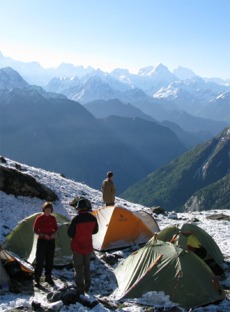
x,y
108,192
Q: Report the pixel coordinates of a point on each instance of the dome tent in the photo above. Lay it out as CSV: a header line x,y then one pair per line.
x,y
162,266
120,227
22,240
192,237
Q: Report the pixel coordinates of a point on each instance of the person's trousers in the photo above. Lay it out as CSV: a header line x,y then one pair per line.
x,y
44,256
82,271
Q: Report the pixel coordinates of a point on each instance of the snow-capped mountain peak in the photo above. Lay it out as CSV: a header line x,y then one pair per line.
x,y
169,93
146,71
159,74
184,73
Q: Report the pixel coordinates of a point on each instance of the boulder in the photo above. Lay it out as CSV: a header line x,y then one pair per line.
x,y
158,210
17,183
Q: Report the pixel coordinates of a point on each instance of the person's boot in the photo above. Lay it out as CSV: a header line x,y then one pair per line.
x,y
86,289
49,280
79,293
37,279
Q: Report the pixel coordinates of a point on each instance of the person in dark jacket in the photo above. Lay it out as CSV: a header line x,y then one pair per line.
x,y
108,190
81,229
45,226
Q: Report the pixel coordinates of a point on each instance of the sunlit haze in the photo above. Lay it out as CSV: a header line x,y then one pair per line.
x,y
110,34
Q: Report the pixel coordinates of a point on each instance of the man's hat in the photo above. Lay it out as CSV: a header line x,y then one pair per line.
x,y
84,204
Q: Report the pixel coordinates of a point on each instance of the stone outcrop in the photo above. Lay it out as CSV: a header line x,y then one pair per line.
x,y
17,183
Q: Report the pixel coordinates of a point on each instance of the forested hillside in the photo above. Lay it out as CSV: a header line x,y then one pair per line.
x,y
205,168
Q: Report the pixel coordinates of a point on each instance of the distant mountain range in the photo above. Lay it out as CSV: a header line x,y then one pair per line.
x,y
83,122
150,88
49,131
197,105
197,180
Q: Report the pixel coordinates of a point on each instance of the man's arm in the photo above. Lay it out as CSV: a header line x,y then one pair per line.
x,y
96,227
72,228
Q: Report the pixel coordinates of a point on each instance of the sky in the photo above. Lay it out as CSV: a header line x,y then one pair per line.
x,y
110,34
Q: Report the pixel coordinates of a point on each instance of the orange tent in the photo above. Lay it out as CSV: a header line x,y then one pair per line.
x,y
120,227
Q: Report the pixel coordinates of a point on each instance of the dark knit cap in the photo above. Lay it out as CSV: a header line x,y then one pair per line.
x,y
84,204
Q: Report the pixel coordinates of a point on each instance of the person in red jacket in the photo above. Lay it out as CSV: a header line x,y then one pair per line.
x,y
81,229
45,226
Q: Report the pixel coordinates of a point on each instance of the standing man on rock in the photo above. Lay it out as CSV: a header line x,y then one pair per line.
x,y
108,190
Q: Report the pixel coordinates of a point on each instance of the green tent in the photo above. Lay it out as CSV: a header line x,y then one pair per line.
x,y
192,237
22,240
162,266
